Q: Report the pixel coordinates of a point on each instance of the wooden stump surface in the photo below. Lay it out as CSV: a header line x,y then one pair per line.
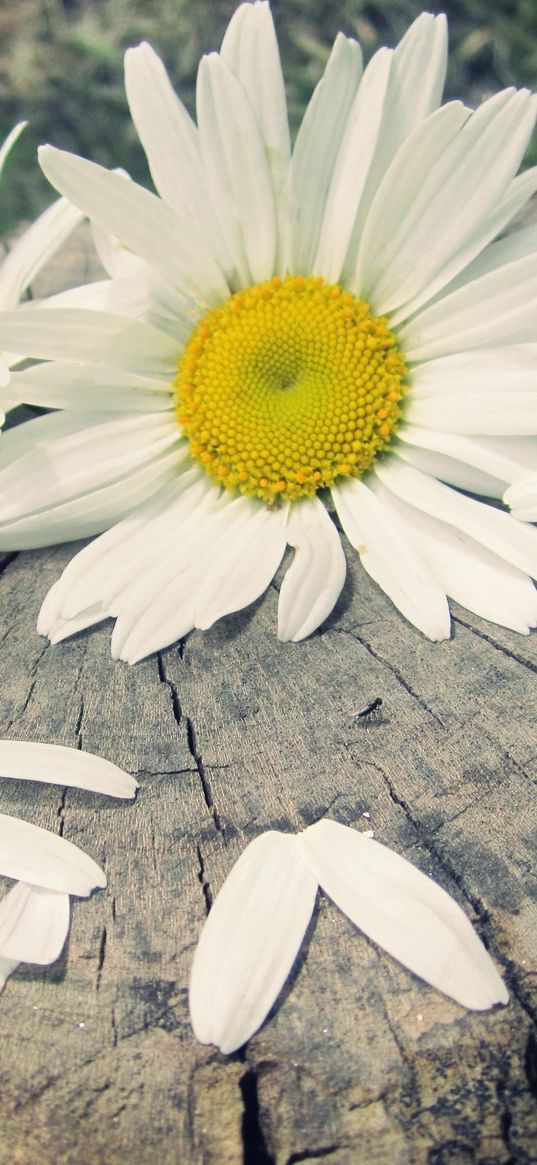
x,y
229,734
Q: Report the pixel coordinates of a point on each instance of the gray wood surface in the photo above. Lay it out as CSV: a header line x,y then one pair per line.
x,y
231,733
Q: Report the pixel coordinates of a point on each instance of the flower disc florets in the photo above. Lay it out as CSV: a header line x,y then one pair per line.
x,y
289,385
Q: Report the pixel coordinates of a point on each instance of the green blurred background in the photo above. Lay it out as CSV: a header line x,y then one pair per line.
x,y
61,65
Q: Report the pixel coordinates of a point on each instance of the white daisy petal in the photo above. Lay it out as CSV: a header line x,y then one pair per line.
x,y
101,389
448,469
9,142
250,941
509,369
352,166
502,534
493,413
34,923
522,499
170,140
90,336
316,148
250,49
60,469
419,258
496,309
63,628
414,91
105,567
34,249
55,764
470,574
172,245
404,911
236,163
313,582
499,464
92,512
391,559
31,854
243,566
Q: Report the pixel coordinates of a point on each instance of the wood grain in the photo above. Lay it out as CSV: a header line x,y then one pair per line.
x,y
231,733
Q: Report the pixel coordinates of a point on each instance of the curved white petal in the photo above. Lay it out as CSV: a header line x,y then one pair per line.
x,y
503,535
55,764
89,388
31,854
522,498
92,512
250,941
316,149
34,923
103,450
417,259
499,460
391,559
171,144
34,249
242,566
496,309
9,142
404,911
314,580
468,572
237,169
481,413
92,337
250,50
169,243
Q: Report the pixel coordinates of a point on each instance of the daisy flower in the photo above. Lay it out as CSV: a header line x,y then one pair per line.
x,y
257,924
34,914
342,325
27,257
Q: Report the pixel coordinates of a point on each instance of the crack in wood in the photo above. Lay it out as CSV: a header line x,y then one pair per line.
x,y
205,783
498,646
205,885
255,1148
6,560
395,672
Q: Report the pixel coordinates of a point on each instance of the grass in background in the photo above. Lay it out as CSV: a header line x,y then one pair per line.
x,y
61,65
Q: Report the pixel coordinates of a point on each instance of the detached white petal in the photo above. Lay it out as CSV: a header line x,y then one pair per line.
x,y
404,911
57,765
34,923
250,941
34,855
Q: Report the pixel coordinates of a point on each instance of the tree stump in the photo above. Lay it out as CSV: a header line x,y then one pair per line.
x,y
230,733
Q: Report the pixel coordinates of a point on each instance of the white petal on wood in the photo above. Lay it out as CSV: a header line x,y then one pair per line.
x,y
404,911
313,582
468,572
34,924
55,764
505,536
242,564
391,560
31,854
250,941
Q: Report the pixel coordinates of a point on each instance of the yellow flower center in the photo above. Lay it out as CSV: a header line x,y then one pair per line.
x,y
288,386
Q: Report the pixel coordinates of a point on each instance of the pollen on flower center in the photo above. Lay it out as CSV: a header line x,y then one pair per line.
x,y
287,386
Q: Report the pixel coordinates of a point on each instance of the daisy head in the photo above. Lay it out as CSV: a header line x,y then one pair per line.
x,y
342,324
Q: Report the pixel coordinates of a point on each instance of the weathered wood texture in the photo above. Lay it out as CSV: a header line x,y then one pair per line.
x,y
231,733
